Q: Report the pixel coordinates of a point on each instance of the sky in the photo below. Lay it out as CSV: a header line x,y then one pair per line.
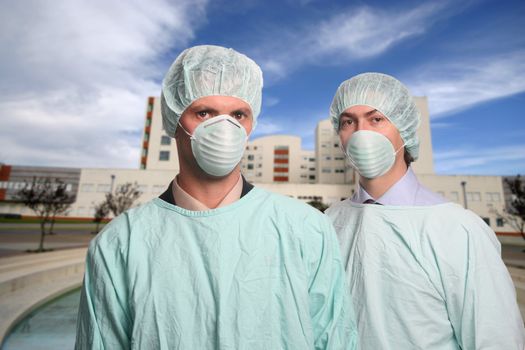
x,y
75,75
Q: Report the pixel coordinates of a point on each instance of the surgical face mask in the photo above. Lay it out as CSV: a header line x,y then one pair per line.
x,y
370,153
218,144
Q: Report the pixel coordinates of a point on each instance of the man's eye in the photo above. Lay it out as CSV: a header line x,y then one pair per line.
x,y
346,122
239,115
378,119
203,114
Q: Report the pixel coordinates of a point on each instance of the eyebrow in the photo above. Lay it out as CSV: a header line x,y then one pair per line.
x,y
203,107
246,111
352,115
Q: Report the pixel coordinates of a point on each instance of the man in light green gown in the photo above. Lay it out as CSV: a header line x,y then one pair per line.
x,y
424,273
215,263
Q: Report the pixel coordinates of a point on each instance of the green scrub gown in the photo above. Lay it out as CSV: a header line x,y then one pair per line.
x,y
426,277
262,273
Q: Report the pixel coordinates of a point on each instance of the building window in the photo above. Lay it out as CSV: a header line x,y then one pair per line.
x,y
339,158
327,158
87,188
251,157
487,221
158,188
165,140
280,156
102,188
280,178
493,196
339,171
499,222
250,166
303,166
311,159
164,155
311,177
326,171
336,145
473,197
258,174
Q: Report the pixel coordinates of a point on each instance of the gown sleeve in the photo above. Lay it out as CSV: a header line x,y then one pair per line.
x,y
331,308
103,319
479,293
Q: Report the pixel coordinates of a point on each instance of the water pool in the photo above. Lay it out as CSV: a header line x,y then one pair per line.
x,y
52,326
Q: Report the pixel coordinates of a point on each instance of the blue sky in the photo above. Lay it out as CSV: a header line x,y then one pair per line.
x,y
76,74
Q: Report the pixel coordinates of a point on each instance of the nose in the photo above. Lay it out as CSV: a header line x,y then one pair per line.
x,y
360,125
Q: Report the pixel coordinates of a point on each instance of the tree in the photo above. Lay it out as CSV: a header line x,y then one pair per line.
x,y
318,205
101,212
60,202
515,213
47,198
123,198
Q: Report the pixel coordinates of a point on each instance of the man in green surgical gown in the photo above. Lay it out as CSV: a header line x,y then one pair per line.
x,y
215,263
425,273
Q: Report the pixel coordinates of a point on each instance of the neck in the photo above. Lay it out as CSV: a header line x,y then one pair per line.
x,y
378,186
207,189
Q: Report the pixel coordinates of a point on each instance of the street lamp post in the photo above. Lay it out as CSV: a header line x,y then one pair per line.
x,y
112,182
464,187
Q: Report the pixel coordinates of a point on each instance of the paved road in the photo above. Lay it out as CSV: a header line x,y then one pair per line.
x,y
17,238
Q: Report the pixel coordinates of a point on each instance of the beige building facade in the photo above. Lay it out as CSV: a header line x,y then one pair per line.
x,y
279,164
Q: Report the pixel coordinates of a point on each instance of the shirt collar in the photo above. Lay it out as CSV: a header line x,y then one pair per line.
x,y
186,201
403,192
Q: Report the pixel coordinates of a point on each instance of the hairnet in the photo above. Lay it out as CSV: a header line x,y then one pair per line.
x,y
208,70
386,94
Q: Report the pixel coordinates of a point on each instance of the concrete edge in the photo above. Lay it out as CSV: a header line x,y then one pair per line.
x,y
32,307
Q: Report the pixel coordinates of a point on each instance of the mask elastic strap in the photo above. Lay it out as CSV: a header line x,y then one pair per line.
x,y
187,133
348,158
403,145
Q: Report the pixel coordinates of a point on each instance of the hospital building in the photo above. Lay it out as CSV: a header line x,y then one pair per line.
x,y
275,162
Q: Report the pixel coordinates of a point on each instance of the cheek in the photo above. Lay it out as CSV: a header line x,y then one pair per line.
x,y
248,125
344,136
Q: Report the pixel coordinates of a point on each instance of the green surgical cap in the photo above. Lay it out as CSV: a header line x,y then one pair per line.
x,y
209,70
386,94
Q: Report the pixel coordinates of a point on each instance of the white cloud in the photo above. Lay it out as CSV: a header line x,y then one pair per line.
x,y
491,160
270,101
354,33
76,76
266,128
455,86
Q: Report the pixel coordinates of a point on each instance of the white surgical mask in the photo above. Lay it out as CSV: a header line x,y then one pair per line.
x,y
218,144
370,153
